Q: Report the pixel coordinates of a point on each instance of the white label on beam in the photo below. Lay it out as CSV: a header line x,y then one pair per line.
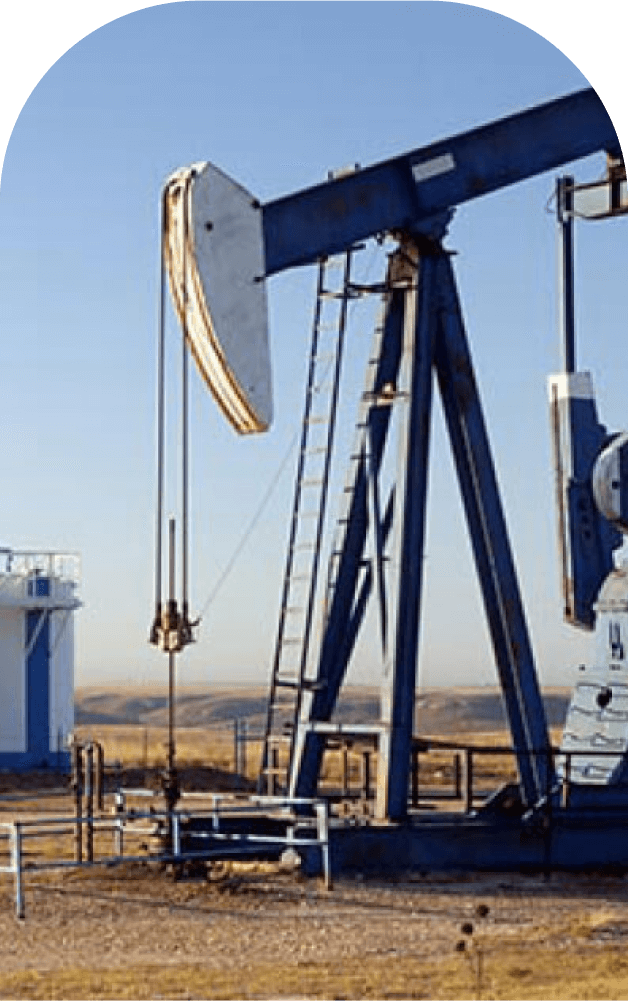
x,y
432,168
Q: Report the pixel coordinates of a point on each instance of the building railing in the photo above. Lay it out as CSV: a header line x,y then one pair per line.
x,y
37,578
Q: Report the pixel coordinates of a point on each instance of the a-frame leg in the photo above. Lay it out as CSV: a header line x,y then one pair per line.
x,y
405,573
424,330
491,547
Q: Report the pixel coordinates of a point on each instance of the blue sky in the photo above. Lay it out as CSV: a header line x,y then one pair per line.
x,y
275,94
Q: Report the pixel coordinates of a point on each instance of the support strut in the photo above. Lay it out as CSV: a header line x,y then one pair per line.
x,y
423,334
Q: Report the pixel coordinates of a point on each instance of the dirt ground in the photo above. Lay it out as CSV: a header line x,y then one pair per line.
x,y
136,931
219,937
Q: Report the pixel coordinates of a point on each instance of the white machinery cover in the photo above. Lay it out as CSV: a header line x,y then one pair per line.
x,y
214,253
610,482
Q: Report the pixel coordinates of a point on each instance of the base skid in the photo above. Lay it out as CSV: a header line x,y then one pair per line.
x,y
575,839
582,840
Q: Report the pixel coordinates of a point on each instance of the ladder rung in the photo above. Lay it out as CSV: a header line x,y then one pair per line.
x,y
280,710
274,738
307,685
324,353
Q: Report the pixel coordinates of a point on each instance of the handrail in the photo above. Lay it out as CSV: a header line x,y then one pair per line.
x,y
16,831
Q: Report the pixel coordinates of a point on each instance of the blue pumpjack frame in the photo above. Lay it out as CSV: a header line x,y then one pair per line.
x,y
422,187
424,335
415,195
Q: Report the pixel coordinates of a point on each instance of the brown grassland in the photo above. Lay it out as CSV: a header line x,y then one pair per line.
x,y
136,931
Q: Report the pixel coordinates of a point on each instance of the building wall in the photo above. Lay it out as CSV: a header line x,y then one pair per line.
x,y
61,714
36,694
38,684
13,723
37,604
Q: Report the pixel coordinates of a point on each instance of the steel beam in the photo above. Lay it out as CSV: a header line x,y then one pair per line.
x,y
491,546
404,193
398,690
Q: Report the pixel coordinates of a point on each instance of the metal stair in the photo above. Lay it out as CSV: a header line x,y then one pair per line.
x,y
289,669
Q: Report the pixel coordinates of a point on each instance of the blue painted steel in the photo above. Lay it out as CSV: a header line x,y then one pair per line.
x,y
417,193
38,675
491,547
564,212
587,540
449,352
376,571
406,573
575,840
418,189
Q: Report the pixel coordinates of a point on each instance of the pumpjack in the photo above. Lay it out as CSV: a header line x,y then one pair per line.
x,y
569,805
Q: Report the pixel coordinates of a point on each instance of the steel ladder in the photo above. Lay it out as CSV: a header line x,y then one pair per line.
x,y
289,676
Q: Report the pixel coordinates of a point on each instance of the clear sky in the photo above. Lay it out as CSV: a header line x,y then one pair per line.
x,y
276,94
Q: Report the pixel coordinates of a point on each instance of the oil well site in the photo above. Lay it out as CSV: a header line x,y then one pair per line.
x,y
388,841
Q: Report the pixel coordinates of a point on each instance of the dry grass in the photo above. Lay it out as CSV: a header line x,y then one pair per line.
x,y
146,746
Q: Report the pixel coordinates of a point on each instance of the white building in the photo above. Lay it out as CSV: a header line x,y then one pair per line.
x,y
38,596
